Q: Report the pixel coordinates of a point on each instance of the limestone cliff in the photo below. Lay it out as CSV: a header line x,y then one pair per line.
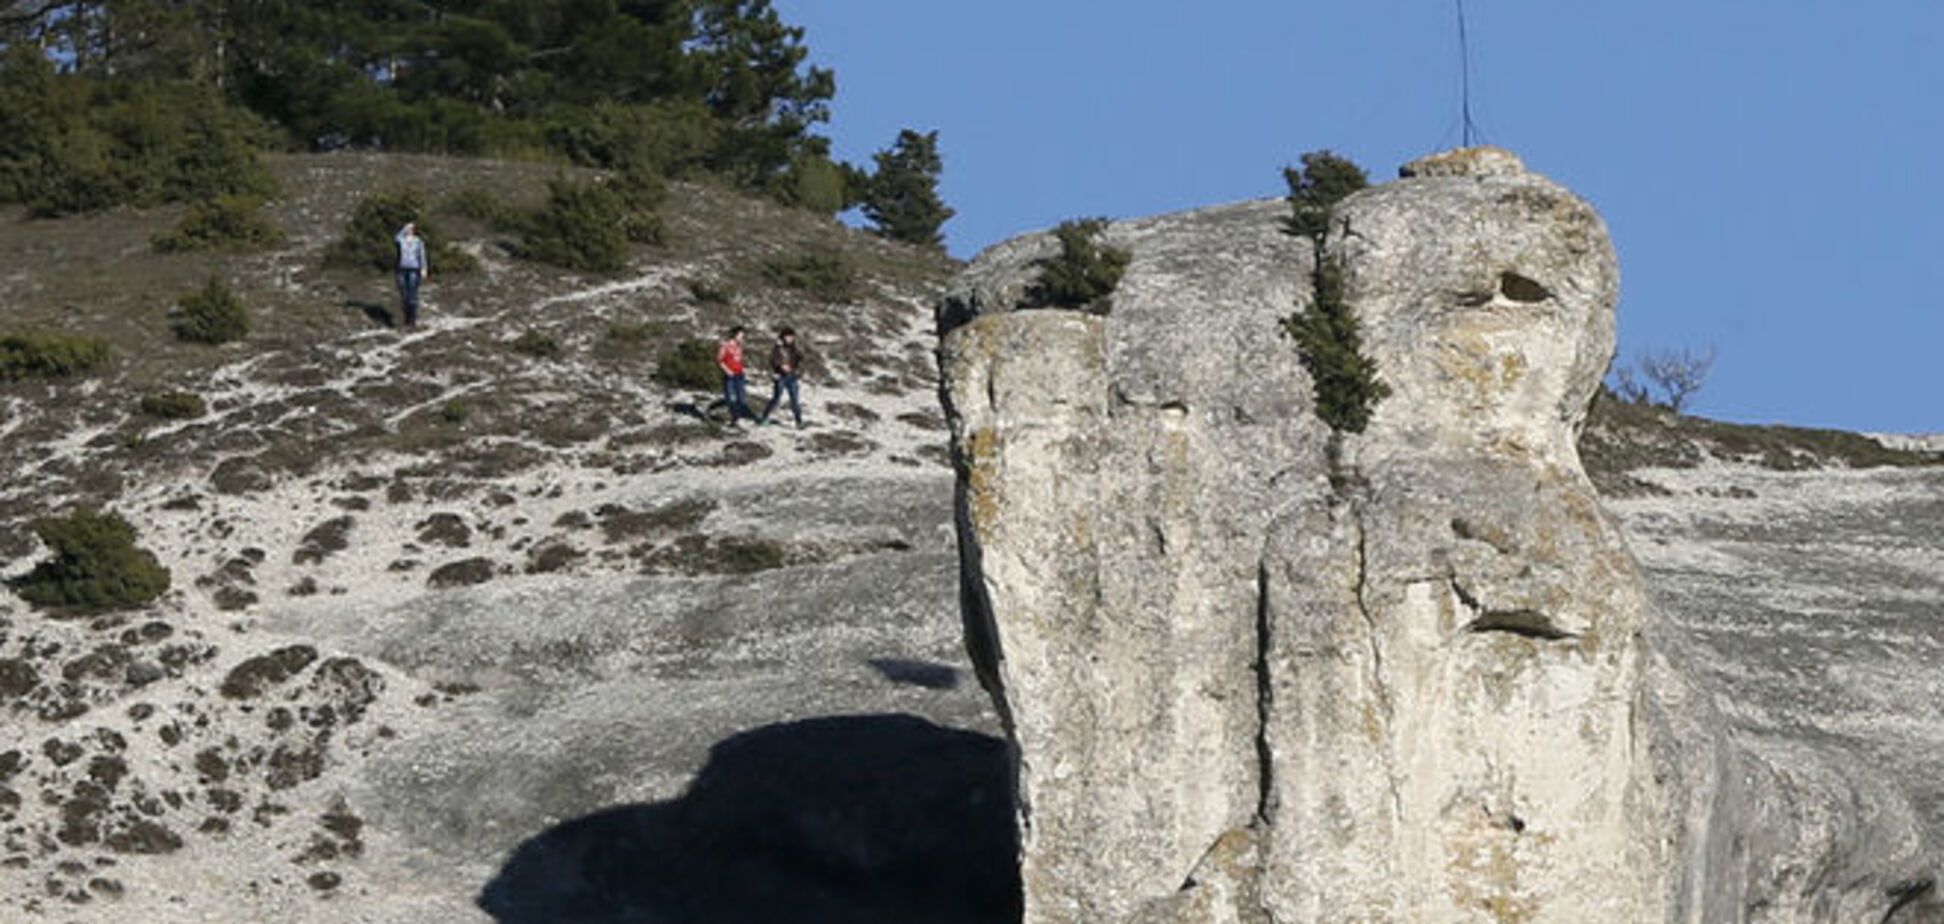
x,y
1252,678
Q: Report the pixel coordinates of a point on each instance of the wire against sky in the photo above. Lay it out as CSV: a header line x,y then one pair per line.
x,y
1469,130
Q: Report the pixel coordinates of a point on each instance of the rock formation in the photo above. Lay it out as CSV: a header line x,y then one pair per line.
x,y
1256,671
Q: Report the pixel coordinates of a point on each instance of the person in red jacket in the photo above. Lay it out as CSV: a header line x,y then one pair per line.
x,y
735,388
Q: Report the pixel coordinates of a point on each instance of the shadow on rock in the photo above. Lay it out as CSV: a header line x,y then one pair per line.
x,y
856,819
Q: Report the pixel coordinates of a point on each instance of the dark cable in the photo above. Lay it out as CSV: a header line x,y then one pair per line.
x,y
1470,130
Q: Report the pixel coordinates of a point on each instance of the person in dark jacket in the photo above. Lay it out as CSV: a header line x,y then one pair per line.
x,y
784,360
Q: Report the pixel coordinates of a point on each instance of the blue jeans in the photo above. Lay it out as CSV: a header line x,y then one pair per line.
x,y
735,395
408,288
785,383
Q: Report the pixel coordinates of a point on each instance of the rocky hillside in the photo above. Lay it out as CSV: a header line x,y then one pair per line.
x,y
439,591
481,623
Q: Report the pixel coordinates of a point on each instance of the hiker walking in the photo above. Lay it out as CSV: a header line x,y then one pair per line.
x,y
784,358
412,270
735,391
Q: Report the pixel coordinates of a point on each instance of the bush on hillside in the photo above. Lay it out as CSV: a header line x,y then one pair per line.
x,y
535,344
484,206
211,315
1084,273
50,356
826,276
668,138
370,238
232,223
583,226
96,565
709,292
172,405
690,365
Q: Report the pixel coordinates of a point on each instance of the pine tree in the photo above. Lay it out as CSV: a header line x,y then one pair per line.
x,y
901,198
1329,339
1323,179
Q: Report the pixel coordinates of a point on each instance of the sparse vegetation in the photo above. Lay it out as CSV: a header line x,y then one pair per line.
x,y
631,333
95,567
1672,377
706,292
690,365
45,355
1083,275
536,344
211,315
455,413
172,405
1623,435
370,241
826,276
232,223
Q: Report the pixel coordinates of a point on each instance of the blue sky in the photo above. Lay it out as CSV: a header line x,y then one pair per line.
x,y
1772,172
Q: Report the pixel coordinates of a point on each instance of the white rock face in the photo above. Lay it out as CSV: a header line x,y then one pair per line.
x,y
1095,449
1254,671
1455,640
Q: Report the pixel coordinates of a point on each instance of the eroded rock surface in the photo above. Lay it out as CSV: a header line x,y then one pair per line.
x,y
1256,671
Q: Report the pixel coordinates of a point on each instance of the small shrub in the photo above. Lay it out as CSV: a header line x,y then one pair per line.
x,y
1329,342
212,315
96,565
1084,273
232,223
370,237
827,276
689,364
536,344
455,413
708,292
1315,188
631,333
172,405
50,356
484,206
583,226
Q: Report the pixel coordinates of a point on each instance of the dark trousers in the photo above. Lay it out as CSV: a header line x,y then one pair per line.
x,y
735,394
785,383
408,288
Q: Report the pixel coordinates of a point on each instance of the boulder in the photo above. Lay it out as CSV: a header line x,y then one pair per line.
x,y
1255,670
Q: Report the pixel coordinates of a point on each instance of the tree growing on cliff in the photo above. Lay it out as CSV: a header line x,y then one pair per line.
x,y
901,198
1329,339
1329,343
1316,187
1083,274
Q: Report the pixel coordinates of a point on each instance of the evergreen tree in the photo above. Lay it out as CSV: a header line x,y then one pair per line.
x,y
1323,179
901,199
1329,338
668,85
